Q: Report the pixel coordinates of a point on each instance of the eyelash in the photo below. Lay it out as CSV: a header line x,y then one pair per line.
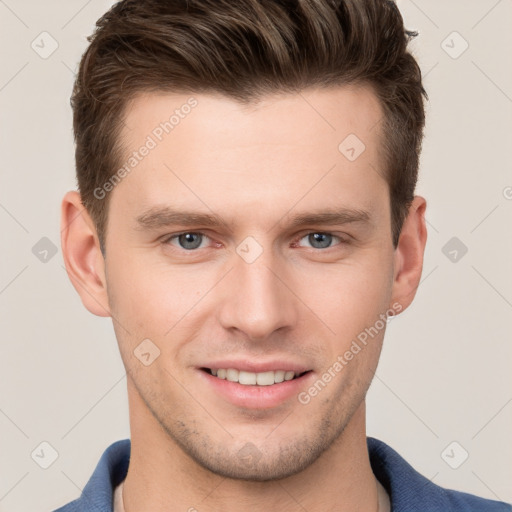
x,y
342,241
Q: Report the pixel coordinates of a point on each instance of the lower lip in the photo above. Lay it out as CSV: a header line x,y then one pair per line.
x,y
257,397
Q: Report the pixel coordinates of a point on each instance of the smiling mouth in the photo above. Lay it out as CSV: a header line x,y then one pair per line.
x,y
253,379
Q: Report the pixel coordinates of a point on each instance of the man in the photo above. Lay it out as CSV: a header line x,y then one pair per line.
x,y
246,211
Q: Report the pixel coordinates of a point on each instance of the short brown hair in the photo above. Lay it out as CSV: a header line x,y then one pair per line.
x,y
245,49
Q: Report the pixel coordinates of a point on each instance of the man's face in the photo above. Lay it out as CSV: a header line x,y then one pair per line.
x,y
254,291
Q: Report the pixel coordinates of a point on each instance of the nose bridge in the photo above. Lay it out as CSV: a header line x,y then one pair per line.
x,y
257,301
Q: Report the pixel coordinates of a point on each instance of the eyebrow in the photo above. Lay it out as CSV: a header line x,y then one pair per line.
x,y
159,217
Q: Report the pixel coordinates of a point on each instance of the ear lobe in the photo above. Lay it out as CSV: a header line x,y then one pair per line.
x,y
408,258
82,255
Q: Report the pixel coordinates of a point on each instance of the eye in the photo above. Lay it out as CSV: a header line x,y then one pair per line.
x,y
188,241
320,240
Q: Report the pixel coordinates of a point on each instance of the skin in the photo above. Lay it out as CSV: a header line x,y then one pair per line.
x,y
256,167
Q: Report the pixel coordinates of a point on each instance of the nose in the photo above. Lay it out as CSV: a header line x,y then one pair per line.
x,y
257,299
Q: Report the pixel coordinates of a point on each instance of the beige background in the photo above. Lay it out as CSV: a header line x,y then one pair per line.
x,y
445,372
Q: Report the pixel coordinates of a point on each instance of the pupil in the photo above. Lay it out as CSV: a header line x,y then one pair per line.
x,y
190,240
322,240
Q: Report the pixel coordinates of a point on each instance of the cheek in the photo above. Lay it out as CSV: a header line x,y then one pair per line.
x,y
350,304
149,298
349,296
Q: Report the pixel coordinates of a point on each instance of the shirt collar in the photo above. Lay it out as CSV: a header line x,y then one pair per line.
x,y
406,488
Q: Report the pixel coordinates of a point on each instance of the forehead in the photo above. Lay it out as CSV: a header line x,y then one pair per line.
x,y
279,117
206,147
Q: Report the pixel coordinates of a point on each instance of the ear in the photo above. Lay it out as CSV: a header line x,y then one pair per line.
x,y
82,255
408,258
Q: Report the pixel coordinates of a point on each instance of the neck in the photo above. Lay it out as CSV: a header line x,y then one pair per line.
x,y
161,475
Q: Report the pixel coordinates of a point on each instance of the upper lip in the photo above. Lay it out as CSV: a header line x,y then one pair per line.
x,y
257,366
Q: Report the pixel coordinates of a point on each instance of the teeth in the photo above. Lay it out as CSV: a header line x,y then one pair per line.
x,y
247,378
232,375
279,376
252,379
265,378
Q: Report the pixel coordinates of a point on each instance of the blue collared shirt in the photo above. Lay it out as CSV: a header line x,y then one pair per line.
x,y
408,490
